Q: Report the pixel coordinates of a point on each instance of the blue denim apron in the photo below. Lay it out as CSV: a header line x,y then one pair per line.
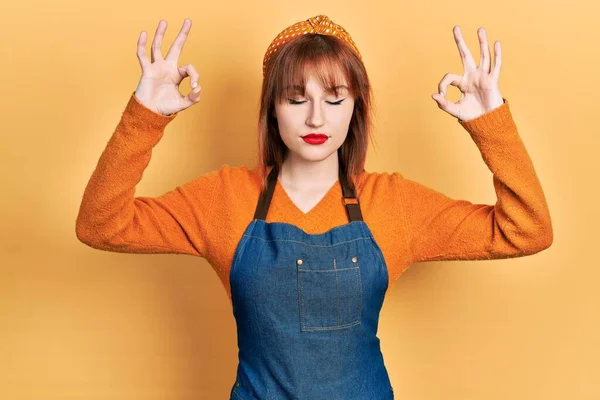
x,y
307,309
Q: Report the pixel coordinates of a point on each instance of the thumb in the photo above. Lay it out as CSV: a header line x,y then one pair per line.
x,y
444,104
192,98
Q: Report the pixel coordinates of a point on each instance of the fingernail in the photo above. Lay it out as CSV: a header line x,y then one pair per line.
x,y
194,84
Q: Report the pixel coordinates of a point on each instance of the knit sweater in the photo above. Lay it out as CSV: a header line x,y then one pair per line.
x,y
410,222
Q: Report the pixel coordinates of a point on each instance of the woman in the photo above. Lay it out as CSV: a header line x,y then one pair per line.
x,y
306,272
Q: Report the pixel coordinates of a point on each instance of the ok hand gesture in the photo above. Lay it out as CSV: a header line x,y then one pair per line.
x,y
158,88
478,84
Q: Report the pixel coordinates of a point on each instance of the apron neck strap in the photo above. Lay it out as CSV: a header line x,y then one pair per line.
x,y
349,199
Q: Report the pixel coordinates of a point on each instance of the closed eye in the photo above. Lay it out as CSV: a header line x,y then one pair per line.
x,y
334,103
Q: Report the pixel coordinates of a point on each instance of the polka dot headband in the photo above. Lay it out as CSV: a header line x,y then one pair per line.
x,y
320,24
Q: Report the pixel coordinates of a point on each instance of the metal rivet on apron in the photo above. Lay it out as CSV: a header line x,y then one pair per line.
x,y
237,384
354,259
299,262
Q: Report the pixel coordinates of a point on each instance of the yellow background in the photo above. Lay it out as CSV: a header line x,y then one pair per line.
x,y
78,323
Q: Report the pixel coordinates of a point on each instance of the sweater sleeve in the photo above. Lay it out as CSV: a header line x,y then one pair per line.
x,y
111,218
518,224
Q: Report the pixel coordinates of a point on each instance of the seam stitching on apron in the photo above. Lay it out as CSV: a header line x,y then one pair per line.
x,y
310,245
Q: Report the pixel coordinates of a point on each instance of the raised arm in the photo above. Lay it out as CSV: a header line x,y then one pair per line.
x,y
110,217
518,224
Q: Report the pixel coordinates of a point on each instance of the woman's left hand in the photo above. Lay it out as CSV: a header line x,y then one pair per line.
x,y
480,93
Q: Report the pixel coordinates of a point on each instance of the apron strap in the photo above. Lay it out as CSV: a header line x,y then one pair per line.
x,y
350,200
349,197
262,207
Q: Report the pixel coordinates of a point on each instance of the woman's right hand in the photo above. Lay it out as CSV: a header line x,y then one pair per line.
x,y
158,88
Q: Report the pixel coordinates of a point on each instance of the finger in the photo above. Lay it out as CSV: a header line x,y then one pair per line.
x,y
447,80
192,98
445,104
141,51
484,61
189,70
465,54
157,42
175,49
497,60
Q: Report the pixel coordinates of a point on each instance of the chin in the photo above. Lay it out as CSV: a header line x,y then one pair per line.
x,y
316,155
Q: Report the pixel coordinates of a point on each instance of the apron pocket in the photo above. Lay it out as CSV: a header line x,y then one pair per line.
x,y
329,293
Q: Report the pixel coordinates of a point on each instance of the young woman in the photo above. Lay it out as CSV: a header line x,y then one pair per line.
x,y
304,262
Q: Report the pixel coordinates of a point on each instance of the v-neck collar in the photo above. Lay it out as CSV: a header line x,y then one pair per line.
x,y
347,197
293,205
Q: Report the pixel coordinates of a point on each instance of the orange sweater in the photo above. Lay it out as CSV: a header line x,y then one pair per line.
x,y
411,223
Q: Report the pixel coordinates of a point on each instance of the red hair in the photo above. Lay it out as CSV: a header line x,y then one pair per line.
x,y
327,57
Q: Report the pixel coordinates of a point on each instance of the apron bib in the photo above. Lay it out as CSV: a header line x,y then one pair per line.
x,y
307,309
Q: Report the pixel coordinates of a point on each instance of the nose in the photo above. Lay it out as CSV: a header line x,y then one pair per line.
x,y
316,116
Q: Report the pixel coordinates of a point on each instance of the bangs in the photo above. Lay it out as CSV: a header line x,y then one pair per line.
x,y
328,75
322,57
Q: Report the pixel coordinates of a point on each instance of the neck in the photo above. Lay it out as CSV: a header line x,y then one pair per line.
x,y
300,174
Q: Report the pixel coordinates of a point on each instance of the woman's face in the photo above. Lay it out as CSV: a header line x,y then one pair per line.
x,y
317,112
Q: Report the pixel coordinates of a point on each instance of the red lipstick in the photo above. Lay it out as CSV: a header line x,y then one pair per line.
x,y
315,138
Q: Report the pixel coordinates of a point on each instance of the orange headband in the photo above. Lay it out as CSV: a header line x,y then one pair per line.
x,y
320,24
